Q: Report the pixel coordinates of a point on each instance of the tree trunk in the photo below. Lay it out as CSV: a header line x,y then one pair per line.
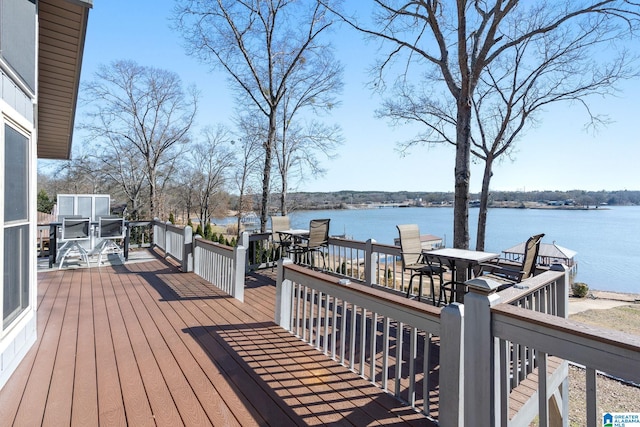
x,y
283,196
152,199
484,204
266,177
462,176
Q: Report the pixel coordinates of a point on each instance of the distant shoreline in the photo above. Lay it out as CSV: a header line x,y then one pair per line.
x,y
495,205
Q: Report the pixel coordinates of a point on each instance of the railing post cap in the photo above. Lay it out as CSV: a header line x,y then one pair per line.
x,y
482,285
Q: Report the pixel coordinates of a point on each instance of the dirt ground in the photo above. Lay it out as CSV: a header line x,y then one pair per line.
x,y
613,396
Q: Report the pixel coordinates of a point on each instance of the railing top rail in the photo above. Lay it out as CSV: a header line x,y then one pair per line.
x,y
569,327
382,302
529,286
139,223
254,237
384,247
201,241
349,243
175,228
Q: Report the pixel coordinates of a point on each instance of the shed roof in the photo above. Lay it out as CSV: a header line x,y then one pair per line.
x,y
550,250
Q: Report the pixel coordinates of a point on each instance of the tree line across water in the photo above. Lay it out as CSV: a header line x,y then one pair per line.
x,y
341,199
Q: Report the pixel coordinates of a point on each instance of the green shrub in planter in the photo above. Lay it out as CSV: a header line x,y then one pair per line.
x,y
580,289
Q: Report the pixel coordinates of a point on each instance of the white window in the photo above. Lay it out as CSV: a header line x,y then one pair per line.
x,y
15,265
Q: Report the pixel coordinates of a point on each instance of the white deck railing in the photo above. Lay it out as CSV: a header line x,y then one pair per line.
x,y
388,340
221,265
614,353
497,339
366,262
524,333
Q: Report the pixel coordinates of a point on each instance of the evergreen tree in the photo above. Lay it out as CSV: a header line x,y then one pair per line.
x,y
44,203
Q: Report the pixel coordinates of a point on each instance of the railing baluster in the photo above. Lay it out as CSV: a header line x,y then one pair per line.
x,y
372,350
426,374
325,336
343,332
304,314
318,313
334,320
352,337
413,353
504,382
592,400
363,340
399,345
385,352
298,311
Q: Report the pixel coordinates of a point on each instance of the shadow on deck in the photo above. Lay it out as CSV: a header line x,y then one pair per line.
x,y
143,344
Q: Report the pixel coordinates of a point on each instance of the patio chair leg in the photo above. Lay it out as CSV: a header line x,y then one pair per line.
x,y
410,285
433,292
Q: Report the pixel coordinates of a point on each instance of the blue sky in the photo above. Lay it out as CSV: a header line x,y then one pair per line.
x,y
557,155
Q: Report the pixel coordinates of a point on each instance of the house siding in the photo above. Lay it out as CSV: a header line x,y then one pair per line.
x,y
18,97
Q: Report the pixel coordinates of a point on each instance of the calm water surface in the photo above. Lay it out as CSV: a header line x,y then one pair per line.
x,y
607,240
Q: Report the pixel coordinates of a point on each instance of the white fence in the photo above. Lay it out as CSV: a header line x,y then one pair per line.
x,y
484,350
364,262
386,339
221,265
486,347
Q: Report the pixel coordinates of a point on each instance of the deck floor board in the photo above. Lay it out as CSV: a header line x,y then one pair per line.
x,y
144,344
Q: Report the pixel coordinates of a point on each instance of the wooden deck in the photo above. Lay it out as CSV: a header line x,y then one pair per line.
x,y
143,344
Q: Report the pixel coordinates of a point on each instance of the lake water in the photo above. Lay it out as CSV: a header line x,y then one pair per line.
x,y
607,240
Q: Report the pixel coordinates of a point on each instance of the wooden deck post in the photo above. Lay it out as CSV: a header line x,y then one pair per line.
x,y
284,290
481,366
560,401
187,251
167,240
451,410
563,290
239,264
244,242
369,263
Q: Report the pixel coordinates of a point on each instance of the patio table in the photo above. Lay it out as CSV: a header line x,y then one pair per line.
x,y
461,263
292,236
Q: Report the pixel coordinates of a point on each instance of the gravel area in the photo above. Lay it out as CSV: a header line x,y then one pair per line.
x,y
613,395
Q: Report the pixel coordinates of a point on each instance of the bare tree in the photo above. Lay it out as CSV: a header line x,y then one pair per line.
x,y
81,174
311,89
211,160
260,44
296,153
119,162
250,148
141,112
459,51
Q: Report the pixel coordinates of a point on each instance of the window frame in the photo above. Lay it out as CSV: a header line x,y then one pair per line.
x,y
18,124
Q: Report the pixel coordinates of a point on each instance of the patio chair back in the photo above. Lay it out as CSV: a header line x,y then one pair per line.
x,y
279,223
111,227
75,228
318,233
531,250
410,245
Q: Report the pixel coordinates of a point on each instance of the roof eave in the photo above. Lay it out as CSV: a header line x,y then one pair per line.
x,y
61,38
